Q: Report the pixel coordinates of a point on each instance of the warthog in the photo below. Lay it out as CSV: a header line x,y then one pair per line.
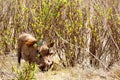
x,y
40,54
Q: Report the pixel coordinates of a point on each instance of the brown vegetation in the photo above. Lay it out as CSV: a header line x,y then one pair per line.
x,y
86,32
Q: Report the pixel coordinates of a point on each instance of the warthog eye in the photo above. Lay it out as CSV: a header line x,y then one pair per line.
x,y
38,52
48,51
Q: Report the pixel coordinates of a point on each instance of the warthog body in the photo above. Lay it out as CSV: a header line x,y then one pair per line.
x,y
39,54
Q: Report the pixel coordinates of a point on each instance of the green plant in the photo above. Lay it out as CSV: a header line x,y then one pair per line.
x,y
27,72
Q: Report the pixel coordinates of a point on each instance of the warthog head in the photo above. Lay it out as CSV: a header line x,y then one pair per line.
x,y
44,51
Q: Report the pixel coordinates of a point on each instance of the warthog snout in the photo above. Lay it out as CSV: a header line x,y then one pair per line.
x,y
40,54
45,64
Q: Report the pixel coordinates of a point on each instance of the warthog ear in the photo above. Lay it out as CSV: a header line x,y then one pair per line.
x,y
51,44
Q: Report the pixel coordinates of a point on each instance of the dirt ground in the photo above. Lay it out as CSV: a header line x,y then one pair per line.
x,y
72,73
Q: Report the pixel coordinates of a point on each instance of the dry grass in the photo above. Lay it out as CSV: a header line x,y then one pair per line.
x,y
71,73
